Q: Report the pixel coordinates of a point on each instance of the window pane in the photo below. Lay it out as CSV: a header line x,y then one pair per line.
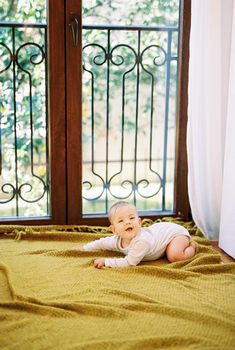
x,y
27,11
24,172
131,12
130,63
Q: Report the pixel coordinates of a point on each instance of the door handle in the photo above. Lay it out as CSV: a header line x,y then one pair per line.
x,y
74,28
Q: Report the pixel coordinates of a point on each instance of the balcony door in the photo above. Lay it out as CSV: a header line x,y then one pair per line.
x,y
97,111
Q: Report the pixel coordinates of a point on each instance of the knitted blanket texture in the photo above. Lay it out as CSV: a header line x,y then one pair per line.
x,y
51,297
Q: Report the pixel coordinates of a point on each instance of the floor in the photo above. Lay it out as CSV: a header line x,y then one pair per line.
x,y
225,257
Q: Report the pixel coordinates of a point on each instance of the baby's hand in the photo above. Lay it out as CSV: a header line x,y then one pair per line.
x,y
98,263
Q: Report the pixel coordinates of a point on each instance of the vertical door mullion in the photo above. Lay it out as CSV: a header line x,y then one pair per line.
x,y
73,112
182,206
57,132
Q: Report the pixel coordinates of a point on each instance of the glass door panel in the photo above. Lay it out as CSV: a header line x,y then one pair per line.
x,y
24,177
32,129
129,104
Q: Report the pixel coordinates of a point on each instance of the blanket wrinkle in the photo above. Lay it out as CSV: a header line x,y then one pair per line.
x,y
100,310
129,295
202,259
137,342
48,288
209,268
88,307
162,272
183,313
8,286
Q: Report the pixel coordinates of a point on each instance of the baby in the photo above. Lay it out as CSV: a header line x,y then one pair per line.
x,y
138,243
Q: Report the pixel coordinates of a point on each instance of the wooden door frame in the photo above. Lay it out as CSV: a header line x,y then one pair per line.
x,y
74,114
74,124
182,206
57,71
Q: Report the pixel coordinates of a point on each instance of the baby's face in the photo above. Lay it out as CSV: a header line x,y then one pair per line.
x,y
125,222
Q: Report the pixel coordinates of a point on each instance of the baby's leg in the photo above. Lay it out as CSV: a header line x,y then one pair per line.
x,y
180,248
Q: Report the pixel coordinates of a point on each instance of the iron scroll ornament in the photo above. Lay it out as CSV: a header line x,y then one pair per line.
x,y
100,59
19,190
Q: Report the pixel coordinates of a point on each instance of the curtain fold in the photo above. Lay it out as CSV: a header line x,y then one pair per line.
x,y
227,223
211,114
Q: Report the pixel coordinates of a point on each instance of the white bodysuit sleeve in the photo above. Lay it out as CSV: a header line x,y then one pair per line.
x,y
136,253
106,243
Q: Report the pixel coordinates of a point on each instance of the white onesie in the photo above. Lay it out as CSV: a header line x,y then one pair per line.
x,y
149,244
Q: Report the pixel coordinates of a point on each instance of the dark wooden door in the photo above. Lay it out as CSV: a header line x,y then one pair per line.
x,y
75,160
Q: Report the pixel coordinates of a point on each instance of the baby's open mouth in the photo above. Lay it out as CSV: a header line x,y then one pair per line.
x,y
129,229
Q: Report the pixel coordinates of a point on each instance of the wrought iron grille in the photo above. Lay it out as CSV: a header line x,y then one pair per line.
x,y
120,72
24,170
129,115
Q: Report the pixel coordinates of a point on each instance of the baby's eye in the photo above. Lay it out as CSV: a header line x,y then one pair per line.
x,y
119,221
132,218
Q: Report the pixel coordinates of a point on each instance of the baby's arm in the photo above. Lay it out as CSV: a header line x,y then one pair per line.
x,y
109,243
134,257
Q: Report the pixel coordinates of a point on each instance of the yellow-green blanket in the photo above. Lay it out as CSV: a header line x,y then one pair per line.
x,y
53,298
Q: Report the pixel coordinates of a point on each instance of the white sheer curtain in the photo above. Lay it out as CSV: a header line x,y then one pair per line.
x,y
211,120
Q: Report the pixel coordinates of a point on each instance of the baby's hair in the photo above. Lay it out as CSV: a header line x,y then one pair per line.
x,y
115,206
